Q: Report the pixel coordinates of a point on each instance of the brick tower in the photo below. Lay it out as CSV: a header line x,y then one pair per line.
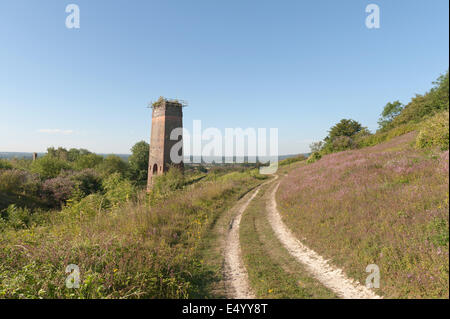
x,y
166,116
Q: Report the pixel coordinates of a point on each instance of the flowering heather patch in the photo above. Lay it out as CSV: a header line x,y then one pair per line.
x,y
385,205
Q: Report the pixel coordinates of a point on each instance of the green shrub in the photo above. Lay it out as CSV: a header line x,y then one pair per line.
x,y
56,191
4,164
165,184
341,143
17,217
12,180
314,157
434,132
438,230
422,106
138,162
21,163
49,167
87,181
87,206
256,174
118,190
113,164
88,161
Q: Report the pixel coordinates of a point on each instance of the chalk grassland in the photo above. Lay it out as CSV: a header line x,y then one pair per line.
x,y
385,205
129,249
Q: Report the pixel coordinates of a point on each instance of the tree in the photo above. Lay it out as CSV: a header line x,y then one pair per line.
x,y
51,152
345,127
113,164
422,106
88,161
390,112
87,181
49,166
60,153
342,136
138,161
4,164
73,154
316,146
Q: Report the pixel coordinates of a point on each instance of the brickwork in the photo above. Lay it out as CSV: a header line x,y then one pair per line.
x,y
166,116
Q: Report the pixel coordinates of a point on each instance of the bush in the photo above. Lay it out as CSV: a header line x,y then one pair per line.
x,y
21,163
421,106
88,161
49,167
139,162
4,164
18,218
434,132
342,143
21,218
343,136
118,190
58,190
113,164
32,185
12,180
314,157
87,181
164,184
87,206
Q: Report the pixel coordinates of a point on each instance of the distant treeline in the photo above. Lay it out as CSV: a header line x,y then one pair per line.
x,y
29,155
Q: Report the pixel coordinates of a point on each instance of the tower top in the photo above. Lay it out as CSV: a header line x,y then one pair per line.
x,y
162,101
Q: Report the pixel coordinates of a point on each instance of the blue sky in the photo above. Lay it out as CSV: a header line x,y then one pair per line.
x,y
299,66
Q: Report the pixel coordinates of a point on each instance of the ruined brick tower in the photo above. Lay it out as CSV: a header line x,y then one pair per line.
x,y
166,116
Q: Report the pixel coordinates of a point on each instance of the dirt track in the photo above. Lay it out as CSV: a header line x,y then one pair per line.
x,y
236,274
330,276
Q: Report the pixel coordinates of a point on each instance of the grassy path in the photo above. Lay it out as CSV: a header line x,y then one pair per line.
x,y
272,271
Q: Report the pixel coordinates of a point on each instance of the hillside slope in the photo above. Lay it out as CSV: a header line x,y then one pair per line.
x,y
385,205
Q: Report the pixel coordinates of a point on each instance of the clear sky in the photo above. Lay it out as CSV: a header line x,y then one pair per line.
x,y
300,66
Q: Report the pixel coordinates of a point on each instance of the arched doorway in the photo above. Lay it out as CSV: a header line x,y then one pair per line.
x,y
155,169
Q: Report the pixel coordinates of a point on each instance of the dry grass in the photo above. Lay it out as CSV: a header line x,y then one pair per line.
x,y
384,205
272,271
127,250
